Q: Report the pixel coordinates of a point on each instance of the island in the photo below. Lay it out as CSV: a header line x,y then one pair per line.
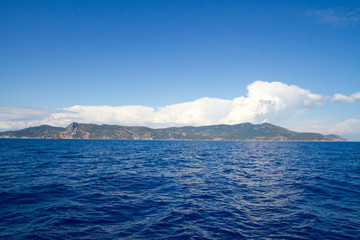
x,y
237,132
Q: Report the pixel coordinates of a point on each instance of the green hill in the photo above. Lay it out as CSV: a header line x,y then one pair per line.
x,y
243,131
43,131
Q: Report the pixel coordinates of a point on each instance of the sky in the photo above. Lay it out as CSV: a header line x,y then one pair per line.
x,y
295,64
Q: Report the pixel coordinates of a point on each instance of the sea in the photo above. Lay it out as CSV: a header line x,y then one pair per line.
x,y
119,189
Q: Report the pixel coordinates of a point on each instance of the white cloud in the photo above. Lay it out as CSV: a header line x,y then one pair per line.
x,y
273,102
11,113
346,99
349,128
17,118
112,115
265,101
203,111
270,101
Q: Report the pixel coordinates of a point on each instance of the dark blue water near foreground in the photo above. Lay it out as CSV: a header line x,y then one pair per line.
x,y
85,189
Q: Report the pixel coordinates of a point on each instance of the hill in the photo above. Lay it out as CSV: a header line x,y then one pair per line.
x,y
238,132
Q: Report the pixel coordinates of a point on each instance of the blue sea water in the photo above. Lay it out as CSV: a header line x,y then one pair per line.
x,y
97,189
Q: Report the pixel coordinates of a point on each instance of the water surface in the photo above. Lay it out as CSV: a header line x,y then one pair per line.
x,y
96,189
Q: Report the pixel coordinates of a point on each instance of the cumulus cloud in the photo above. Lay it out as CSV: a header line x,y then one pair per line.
x,y
270,101
346,99
265,101
203,111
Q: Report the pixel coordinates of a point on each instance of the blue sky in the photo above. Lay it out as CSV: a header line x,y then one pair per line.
x,y
71,60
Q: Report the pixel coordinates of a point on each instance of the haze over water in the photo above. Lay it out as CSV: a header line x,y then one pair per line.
x,y
91,189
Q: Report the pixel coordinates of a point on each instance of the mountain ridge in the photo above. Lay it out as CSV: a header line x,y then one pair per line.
x,y
222,132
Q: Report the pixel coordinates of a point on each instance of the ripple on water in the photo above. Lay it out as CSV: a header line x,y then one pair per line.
x,y
65,189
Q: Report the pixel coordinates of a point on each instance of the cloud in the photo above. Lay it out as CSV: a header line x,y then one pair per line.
x,y
11,113
111,115
270,101
335,16
265,101
203,111
17,118
346,99
350,127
